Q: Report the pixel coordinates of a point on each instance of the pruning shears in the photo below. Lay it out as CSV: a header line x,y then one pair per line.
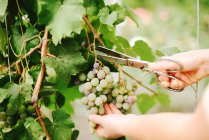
x,y
123,59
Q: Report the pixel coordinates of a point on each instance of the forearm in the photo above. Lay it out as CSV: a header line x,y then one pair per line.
x,y
163,126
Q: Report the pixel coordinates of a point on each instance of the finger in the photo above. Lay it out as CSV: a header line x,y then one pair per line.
x,y
163,65
114,109
107,109
162,78
165,84
174,84
100,131
184,78
181,85
96,119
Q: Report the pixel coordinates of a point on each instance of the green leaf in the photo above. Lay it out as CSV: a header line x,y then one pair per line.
x,y
3,7
133,16
143,50
3,41
60,128
93,6
106,17
68,62
145,102
34,129
163,99
75,135
121,12
18,40
61,18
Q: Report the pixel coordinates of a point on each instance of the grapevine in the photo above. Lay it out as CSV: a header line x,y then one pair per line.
x,y
48,59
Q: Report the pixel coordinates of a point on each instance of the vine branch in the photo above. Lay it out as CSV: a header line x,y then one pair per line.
x,y
139,82
39,82
96,35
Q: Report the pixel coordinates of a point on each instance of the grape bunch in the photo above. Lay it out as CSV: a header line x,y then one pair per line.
x,y
9,119
99,87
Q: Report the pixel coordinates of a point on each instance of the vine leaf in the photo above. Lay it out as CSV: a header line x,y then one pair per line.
x,y
145,102
34,129
133,16
61,18
163,99
60,128
3,41
18,40
3,7
68,61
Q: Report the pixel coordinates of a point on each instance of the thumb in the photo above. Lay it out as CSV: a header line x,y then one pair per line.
x,y
96,118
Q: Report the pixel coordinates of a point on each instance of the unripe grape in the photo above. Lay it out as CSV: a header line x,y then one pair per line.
x,y
131,93
125,97
115,92
31,109
101,74
109,86
104,98
87,86
119,98
106,70
103,83
94,90
101,110
95,71
95,81
10,120
122,90
81,88
3,116
90,103
2,124
91,130
93,110
129,86
109,78
92,124
84,100
109,98
90,75
96,65
105,91
98,101
119,105
87,92
131,99
126,106
92,97
22,109
82,77
99,88
23,116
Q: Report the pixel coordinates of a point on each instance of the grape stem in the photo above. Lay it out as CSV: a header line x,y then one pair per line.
x,y
96,35
139,82
39,82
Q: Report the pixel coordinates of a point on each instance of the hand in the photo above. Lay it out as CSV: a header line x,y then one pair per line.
x,y
195,67
111,125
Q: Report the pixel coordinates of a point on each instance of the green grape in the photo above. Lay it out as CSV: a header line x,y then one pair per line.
x,y
114,101
95,81
106,70
93,110
126,106
92,97
98,101
91,130
2,124
119,98
91,103
115,92
99,88
131,93
82,77
90,75
122,90
125,97
81,88
119,105
105,91
104,98
3,116
23,116
109,78
22,109
101,110
87,86
101,74
109,98
129,86
109,86
84,100
10,120
103,83
92,124
94,90
31,109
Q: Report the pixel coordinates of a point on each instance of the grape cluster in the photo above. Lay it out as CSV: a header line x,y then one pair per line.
x,y
8,120
99,87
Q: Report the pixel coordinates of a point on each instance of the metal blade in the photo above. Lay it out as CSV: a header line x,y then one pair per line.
x,y
114,59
